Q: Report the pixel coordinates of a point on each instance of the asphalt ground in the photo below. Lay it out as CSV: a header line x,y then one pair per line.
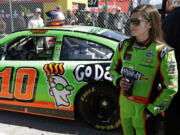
x,y
12,123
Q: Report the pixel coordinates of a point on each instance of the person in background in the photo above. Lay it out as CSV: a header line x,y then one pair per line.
x,y
94,17
119,21
110,22
21,21
81,15
2,26
101,18
70,17
57,17
144,68
89,21
36,21
88,17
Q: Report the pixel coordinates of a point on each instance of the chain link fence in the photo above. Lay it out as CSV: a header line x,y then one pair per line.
x,y
112,14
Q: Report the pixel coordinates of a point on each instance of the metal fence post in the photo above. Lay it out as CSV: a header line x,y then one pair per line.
x,y
10,10
106,12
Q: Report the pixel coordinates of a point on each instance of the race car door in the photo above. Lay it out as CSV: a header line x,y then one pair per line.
x,y
26,85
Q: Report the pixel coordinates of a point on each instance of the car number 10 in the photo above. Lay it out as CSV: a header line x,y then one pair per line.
x,y
24,86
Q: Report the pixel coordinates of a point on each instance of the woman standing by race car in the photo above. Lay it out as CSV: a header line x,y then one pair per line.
x,y
145,69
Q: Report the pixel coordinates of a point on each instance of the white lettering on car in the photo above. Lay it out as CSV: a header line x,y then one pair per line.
x,y
92,72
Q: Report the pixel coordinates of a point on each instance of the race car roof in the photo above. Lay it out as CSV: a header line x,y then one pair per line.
x,y
93,30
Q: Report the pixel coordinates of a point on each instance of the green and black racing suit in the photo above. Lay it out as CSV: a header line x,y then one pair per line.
x,y
155,82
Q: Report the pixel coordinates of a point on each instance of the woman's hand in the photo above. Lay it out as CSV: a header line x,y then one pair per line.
x,y
125,83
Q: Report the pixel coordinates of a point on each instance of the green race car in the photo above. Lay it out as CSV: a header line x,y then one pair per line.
x,y
58,71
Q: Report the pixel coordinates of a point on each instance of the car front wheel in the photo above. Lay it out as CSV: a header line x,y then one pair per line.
x,y
98,106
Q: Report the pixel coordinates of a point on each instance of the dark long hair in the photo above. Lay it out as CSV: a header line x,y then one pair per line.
x,y
151,14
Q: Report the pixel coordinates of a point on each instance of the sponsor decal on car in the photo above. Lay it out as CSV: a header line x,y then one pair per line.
x,y
59,87
92,72
58,48
38,31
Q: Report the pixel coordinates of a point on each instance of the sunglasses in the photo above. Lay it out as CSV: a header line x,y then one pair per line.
x,y
135,21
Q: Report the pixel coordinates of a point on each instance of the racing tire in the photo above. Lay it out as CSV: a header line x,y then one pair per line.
x,y
99,106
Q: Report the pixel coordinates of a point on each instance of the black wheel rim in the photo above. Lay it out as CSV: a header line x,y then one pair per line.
x,y
102,107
